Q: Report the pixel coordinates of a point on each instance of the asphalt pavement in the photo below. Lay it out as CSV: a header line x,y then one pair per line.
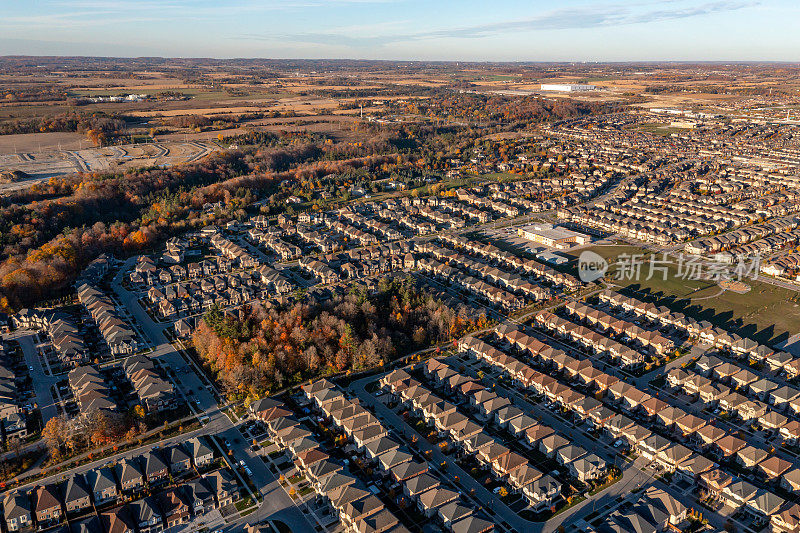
x,y
276,503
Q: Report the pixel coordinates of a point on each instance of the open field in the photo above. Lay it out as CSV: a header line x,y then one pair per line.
x,y
37,142
47,164
767,314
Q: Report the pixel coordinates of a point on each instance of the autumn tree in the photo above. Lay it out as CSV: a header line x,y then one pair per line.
x,y
56,435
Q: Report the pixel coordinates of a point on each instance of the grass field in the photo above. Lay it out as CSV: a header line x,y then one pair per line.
x,y
767,314
660,129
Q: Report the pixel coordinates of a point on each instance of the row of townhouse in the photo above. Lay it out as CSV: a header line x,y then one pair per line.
x,y
766,201
118,334
442,218
385,250
194,297
356,508
466,212
146,273
761,249
693,217
737,238
786,265
525,376
154,392
629,226
398,465
352,269
232,251
180,307
90,390
541,491
495,295
357,235
731,215
740,347
14,423
366,218
67,341
362,263
64,335
417,224
103,487
670,455
96,269
609,323
511,261
503,209
383,230
403,212
321,270
625,356
499,277
283,249
309,236
575,181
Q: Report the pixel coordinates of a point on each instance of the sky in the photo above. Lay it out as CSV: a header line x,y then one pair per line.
x,y
450,30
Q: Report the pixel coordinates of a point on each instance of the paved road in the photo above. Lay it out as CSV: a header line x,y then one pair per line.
x,y
276,504
633,474
403,430
41,381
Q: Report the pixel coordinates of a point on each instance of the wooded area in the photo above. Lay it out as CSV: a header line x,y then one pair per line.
x,y
261,350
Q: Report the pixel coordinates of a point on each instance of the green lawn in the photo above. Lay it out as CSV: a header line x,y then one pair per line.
x,y
604,486
244,503
767,314
660,129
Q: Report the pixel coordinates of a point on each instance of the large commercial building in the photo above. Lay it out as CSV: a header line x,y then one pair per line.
x,y
552,236
567,87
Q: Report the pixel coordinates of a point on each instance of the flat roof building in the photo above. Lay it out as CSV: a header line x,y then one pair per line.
x,y
552,236
567,87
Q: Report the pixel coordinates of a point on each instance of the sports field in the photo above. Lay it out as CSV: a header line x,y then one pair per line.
x,y
767,314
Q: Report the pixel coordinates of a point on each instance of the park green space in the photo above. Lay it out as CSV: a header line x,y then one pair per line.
x,y
767,314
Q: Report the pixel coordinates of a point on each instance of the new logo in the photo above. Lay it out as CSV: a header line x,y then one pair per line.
x,y
591,266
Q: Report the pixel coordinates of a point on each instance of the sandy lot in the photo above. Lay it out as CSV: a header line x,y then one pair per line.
x,y
47,164
37,142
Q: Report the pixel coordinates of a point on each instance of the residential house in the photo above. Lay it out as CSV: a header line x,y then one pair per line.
x,y
46,505
146,515
76,495
103,485
17,511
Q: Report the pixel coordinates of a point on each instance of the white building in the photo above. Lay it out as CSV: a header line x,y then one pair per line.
x,y
567,87
552,236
